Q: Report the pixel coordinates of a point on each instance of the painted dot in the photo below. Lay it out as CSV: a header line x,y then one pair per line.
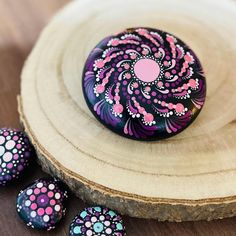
x,y
15,138
57,208
89,233
50,194
9,165
83,214
88,224
46,218
100,88
2,140
108,231
39,185
7,157
77,230
57,195
27,203
33,214
118,108
32,198
107,223
36,191
119,226
51,186
147,70
179,107
49,210
40,211
98,227
44,190
10,144
2,150
34,206
52,202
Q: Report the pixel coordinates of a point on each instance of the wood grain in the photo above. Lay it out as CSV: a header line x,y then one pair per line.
x,y
187,177
20,24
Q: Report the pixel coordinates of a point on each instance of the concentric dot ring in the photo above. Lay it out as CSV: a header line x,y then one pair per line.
x,y
144,84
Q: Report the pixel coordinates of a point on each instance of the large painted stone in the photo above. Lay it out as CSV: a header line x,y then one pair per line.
x,y
144,84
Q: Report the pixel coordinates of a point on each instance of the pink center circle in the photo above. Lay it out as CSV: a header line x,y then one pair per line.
x,y
146,70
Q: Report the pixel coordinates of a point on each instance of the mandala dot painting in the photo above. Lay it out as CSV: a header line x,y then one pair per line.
x,y
97,221
42,204
16,153
144,84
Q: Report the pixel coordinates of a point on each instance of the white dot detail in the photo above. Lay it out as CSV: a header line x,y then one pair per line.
x,y
88,224
33,214
89,233
7,157
29,191
57,195
46,218
27,203
57,208
2,150
2,139
10,144
108,231
107,223
39,185
51,186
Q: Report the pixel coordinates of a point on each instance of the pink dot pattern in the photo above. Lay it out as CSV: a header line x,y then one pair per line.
x,y
42,204
16,152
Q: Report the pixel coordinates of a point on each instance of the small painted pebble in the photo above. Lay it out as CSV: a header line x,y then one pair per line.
x,y
97,221
42,204
16,152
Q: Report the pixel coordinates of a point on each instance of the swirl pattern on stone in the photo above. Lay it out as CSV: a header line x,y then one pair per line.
x,y
144,84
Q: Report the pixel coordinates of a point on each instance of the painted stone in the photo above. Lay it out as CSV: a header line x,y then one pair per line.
x,y
42,204
97,221
144,84
16,152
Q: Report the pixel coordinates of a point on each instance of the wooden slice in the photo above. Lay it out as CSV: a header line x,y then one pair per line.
x,y
190,176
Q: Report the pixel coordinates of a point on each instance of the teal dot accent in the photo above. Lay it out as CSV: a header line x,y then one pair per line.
x,y
77,230
83,214
112,213
98,227
98,209
119,226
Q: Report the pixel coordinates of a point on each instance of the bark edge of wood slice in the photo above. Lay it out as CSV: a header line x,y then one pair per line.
x,y
187,177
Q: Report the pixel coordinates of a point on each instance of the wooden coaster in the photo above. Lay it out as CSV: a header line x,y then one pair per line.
x,y
190,176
